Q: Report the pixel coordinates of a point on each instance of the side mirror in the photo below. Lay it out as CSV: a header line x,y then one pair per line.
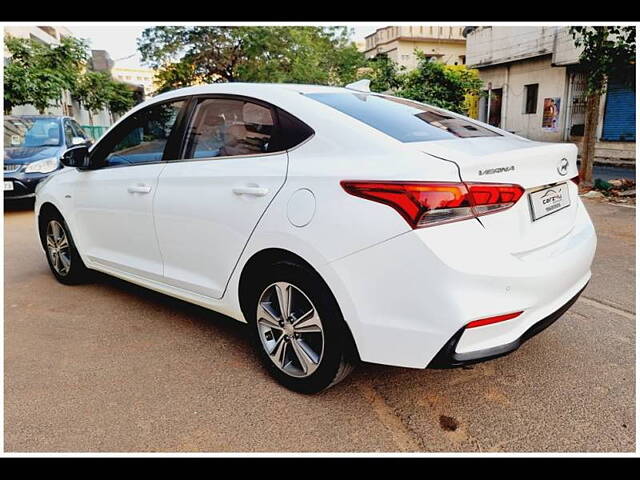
x,y
77,156
78,141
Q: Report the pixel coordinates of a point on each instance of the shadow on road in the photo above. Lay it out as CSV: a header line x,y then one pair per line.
x,y
22,205
200,316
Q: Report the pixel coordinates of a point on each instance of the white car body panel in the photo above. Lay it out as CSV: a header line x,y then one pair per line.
x,y
115,225
402,292
196,200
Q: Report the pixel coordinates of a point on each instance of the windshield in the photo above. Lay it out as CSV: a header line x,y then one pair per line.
x,y
403,119
31,132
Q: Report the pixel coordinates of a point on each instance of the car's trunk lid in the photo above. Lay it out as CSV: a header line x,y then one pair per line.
x,y
513,160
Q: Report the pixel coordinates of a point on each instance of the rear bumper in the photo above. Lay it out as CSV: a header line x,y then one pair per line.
x,y
410,297
449,358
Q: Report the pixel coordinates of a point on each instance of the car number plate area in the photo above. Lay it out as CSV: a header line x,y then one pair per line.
x,y
549,200
8,186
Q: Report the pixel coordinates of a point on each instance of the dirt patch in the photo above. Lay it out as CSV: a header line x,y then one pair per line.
x,y
448,424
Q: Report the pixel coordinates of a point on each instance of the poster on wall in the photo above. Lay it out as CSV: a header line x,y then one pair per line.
x,y
551,114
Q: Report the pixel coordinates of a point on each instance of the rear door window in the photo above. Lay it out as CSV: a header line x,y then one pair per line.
x,y
402,119
224,127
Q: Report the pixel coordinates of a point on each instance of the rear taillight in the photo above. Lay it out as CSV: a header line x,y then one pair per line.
x,y
424,204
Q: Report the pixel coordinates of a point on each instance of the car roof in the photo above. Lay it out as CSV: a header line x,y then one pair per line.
x,y
37,116
242,88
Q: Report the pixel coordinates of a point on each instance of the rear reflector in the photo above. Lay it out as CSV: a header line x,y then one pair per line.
x,y
424,204
490,320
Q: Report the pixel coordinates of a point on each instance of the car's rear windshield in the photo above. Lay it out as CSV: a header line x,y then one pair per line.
x,y
402,119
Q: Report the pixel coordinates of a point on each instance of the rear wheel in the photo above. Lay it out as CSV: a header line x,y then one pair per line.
x,y
299,331
63,257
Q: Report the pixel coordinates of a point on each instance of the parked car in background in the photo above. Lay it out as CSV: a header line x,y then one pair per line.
x,y
340,224
33,145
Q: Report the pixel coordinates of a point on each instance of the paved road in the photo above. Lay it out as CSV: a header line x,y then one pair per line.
x,y
609,173
114,367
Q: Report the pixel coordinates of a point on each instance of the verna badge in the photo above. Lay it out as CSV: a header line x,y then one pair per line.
x,y
563,166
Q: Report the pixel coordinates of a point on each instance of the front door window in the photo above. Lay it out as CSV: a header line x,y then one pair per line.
x,y
145,136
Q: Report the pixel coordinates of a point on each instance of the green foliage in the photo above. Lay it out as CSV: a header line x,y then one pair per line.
x,y
188,55
383,73
445,86
120,98
608,51
38,74
97,90
176,75
91,90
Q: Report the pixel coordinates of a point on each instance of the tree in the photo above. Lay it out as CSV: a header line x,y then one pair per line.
x,y
444,86
608,53
98,90
39,74
383,73
187,55
92,91
120,98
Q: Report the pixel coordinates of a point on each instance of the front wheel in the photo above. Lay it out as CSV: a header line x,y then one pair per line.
x,y
299,331
63,257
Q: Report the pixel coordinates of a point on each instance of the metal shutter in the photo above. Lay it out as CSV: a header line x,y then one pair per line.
x,y
620,114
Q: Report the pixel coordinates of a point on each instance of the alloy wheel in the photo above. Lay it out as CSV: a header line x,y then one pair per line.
x,y
58,248
290,329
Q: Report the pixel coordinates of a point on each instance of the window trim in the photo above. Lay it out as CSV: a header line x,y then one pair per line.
x,y
195,99
526,98
106,143
178,137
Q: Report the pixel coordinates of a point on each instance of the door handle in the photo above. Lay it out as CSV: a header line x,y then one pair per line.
x,y
251,190
139,188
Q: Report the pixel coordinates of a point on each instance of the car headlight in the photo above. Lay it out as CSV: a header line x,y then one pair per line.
x,y
43,166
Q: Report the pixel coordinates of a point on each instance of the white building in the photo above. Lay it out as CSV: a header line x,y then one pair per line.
x,y
439,43
143,77
534,87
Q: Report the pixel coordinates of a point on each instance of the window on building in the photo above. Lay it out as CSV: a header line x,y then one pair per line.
x,y
530,98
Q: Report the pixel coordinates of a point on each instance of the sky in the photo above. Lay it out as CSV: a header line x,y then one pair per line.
x,y
120,40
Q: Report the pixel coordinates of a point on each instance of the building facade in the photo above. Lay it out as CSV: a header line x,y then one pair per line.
x,y
534,87
143,77
440,43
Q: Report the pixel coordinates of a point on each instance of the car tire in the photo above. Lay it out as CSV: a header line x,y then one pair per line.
x,y
329,354
61,252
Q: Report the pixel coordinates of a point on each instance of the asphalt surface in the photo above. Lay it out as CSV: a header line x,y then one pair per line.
x,y
609,173
114,367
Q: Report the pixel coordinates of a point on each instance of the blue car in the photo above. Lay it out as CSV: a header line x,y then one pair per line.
x,y
33,145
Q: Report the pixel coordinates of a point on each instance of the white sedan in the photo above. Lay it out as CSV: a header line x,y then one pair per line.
x,y
339,224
